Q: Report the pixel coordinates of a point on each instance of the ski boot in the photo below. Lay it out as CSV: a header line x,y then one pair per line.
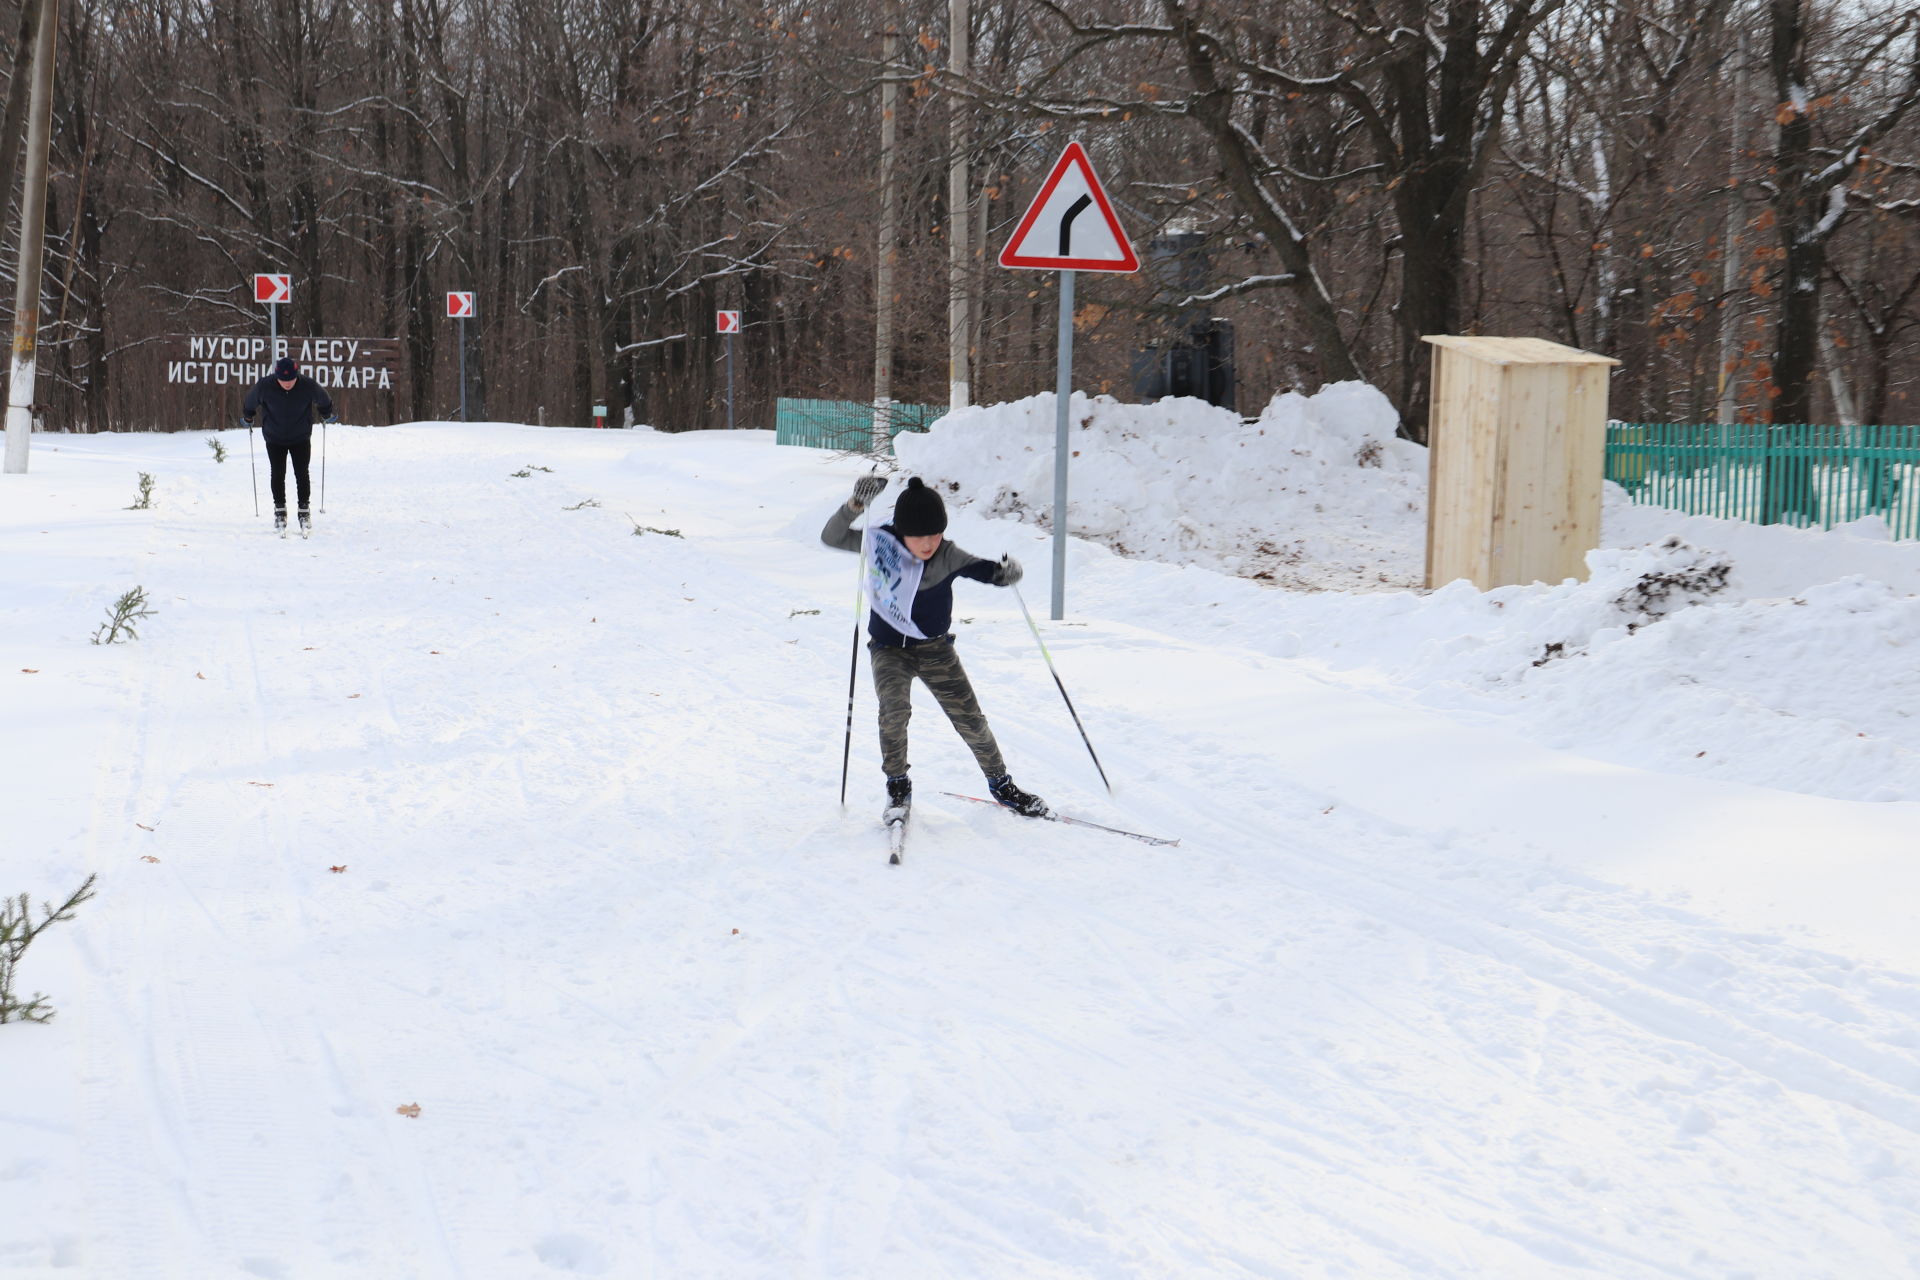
x,y
899,798
899,808
280,521
1027,806
306,524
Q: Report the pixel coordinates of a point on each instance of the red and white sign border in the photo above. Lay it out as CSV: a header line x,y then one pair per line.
x,y
1075,156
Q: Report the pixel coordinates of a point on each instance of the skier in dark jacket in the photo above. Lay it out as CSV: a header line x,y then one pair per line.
x,y
286,400
911,599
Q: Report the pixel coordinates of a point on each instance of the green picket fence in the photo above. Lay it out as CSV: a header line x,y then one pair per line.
x,y
843,424
1811,475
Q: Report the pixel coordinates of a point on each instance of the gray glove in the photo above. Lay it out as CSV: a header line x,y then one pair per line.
x,y
865,490
332,417
1007,572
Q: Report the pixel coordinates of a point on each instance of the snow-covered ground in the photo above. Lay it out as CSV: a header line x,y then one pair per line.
x,y
1464,967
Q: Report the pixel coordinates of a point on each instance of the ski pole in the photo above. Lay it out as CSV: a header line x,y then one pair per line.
x,y
1061,687
323,468
853,676
252,471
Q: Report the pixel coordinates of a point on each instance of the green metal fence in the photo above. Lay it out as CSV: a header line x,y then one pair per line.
x,y
1817,476
843,424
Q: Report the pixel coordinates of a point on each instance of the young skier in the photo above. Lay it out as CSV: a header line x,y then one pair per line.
x,y
285,401
910,572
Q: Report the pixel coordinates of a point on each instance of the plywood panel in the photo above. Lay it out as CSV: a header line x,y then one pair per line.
x,y
1464,463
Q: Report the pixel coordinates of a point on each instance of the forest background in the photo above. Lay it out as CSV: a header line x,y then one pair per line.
x,y
1722,194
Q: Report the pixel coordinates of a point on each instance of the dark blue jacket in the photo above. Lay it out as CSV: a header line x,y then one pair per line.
x,y
286,417
933,603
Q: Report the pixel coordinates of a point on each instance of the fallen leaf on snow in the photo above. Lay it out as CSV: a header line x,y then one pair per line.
x,y
260,784
337,870
306,648
433,651
411,1111
198,676
147,857
143,826
352,696
736,931
30,671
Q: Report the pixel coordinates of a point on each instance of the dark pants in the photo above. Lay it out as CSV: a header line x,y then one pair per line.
x,y
937,666
301,451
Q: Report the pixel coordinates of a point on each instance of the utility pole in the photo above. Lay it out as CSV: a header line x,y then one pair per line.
x,y
33,225
889,217
1730,265
959,264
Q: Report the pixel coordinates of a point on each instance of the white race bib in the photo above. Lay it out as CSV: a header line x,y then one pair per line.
x,y
892,580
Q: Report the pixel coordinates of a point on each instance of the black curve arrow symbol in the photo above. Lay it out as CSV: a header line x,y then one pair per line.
x,y
1066,224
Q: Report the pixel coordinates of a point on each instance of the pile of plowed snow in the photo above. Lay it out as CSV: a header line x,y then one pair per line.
x,y
1316,492
1765,654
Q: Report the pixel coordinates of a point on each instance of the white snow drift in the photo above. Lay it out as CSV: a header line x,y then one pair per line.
x,y
475,900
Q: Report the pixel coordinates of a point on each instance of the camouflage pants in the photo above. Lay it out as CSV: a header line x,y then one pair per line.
x,y
938,667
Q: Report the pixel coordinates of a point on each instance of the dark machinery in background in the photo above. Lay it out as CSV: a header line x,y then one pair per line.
x,y
1196,358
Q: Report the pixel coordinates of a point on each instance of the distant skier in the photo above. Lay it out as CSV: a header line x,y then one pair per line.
x,y
285,401
910,572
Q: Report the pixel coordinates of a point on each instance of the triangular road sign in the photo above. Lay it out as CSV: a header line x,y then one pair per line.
x,y
1070,226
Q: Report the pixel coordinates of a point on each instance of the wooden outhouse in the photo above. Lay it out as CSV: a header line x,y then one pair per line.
x,y
1517,449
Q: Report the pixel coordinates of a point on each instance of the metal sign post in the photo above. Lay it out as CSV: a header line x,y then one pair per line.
x,y
273,289
1063,399
728,322
459,307
1053,236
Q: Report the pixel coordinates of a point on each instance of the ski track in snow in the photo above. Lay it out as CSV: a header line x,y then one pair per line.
x,y
1315,1040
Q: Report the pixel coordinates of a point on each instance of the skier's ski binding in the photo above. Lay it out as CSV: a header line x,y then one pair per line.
x,y
306,525
1021,802
280,521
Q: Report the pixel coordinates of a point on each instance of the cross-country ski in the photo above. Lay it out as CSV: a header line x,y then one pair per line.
x,y
1053,816
895,820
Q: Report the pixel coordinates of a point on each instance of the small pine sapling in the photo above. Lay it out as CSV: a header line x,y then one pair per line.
x,y
219,449
17,932
146,493
128,609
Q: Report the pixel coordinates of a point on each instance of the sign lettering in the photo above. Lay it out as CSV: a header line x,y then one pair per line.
x,y
229,360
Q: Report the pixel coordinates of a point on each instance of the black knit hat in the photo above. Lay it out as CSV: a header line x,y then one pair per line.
x,y
919,511
285,368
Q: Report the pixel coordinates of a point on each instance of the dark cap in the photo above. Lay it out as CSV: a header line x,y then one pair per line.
x,y
285,368
919,511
